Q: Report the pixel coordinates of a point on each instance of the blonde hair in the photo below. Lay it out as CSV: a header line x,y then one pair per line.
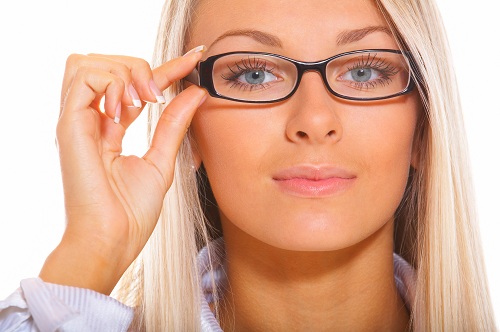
x,y
436,229
452,292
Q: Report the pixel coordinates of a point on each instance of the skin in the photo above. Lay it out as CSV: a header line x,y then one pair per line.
x,y
315,263
113,202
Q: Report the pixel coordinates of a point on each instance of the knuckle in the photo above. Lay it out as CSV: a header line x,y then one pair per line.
x,y
73,60
140,68
81,72
121,67
119,83
142,64
122,70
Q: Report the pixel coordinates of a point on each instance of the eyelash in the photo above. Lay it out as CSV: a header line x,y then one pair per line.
x,y
253,64
244,66
372,62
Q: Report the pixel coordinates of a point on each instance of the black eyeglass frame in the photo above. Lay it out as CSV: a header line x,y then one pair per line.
x,y
202,75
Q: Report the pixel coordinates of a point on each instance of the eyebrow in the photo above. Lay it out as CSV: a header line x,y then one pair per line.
x,y
345,37
260,36
351,36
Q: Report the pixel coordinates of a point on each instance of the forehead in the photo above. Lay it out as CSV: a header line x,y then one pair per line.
x,y
301,26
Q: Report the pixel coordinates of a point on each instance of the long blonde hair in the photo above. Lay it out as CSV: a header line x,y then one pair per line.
x,y
436,228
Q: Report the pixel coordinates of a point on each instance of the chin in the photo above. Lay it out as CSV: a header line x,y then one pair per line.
x,y
311,244
317,234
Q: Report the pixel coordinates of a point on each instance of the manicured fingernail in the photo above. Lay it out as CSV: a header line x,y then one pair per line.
x,y
159,96
135,96
118,113
197,49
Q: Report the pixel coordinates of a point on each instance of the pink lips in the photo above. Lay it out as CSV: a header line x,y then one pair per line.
x,y
313,181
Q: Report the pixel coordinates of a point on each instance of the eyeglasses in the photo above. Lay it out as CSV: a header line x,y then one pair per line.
x,y
257,77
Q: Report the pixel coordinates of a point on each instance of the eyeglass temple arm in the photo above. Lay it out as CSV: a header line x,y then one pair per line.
x,y
193,77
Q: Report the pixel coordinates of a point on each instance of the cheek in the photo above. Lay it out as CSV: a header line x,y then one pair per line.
x,y
232,145
238,148
385,148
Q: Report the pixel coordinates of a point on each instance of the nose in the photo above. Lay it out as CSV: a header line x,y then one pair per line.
x,y
314,117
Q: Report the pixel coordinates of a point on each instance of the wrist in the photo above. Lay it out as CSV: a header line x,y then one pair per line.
x,y
85,266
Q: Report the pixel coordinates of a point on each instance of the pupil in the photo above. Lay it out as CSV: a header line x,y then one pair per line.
x,y
362,75
255,77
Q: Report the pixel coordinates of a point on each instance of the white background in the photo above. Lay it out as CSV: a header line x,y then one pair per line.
x,y
37,36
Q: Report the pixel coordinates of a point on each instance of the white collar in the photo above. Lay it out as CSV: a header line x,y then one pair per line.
x,y
404,275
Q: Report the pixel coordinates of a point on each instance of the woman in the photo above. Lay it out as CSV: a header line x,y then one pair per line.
x,y
340,163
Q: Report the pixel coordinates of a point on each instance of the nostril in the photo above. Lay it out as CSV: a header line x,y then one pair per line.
x,y
301,134
331,133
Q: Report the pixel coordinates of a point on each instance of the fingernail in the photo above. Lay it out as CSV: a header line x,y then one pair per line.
x,y
197,49
159,96
118,113
135,96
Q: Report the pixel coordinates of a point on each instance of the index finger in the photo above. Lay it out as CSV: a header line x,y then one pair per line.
x,y
177,68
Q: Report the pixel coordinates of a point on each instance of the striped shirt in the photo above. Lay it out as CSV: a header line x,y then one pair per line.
x,y
40,306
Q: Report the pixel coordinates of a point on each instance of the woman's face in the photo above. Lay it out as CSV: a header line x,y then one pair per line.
x,y
313,172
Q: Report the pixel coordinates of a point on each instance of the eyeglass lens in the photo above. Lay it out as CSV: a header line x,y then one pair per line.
x,y
258,77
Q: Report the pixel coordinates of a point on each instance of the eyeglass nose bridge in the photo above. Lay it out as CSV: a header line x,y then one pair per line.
x,y
303,67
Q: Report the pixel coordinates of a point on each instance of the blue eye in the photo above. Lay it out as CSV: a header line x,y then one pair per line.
x,y
369,71
257,77
361,75
252,73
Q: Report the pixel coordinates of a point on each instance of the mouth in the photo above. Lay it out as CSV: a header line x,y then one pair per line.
x,y
314,181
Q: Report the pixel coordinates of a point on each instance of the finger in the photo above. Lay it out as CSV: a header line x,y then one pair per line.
x,y
166,74
79,130
140,73
171,129
177,69
77,61
133,71
88,86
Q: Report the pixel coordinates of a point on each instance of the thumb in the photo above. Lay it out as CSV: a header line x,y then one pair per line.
x,y
171,129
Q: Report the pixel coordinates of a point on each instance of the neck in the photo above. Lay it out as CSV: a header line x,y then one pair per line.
x,y
272,289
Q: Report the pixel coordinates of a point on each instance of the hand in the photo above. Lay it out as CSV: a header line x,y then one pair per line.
x,y
112,201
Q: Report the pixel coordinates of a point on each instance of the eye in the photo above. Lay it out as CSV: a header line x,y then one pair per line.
x,y
251,72
370,71
253,77
361,75
257,77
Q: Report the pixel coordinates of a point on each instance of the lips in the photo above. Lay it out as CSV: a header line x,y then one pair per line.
x,y
314,181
